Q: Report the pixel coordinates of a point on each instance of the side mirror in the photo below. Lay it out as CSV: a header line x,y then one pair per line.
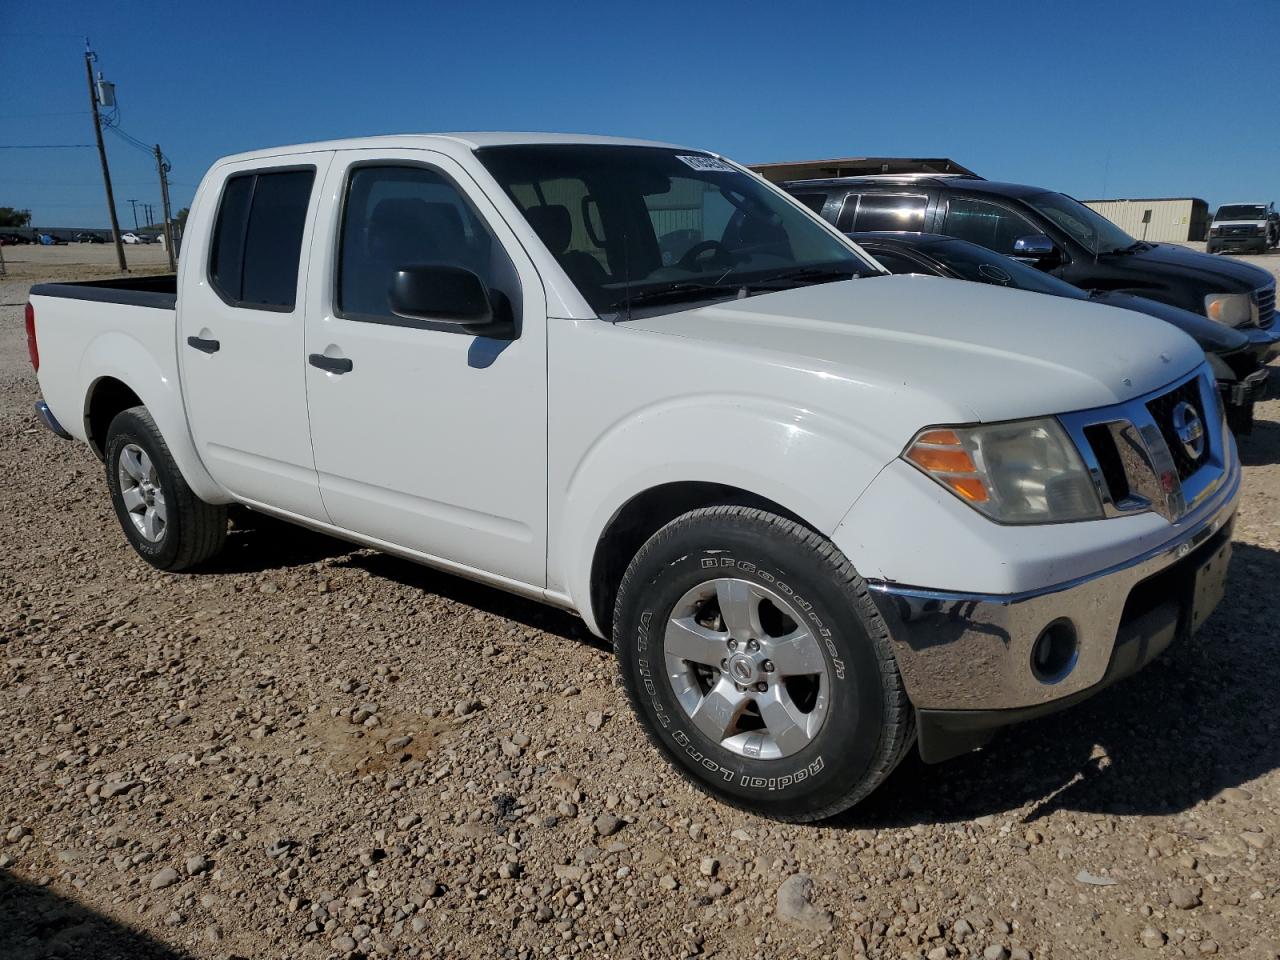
x,y
1036,247
440,294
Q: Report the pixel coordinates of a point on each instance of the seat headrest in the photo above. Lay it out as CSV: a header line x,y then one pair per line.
x,y
552,224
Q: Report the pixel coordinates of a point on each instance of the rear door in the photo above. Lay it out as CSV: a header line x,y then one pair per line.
x,y
432,439
240,339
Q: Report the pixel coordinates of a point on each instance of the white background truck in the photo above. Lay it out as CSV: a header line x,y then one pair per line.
x,y
1244,228
823,513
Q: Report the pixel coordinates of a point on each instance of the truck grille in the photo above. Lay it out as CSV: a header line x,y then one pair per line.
x,y
1265,298
1138,461
1162,408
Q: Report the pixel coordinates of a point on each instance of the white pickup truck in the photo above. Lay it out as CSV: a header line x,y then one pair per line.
x,y
823,513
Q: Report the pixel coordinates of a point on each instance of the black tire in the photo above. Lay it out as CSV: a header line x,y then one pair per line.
x,y
869,725
194,530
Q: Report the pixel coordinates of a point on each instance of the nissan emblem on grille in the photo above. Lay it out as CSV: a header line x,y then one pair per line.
x,y
1189,428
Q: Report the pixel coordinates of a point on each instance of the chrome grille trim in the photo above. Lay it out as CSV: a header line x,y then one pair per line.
x,y
1150,472
1264,306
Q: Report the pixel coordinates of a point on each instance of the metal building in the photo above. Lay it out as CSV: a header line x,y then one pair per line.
x,y
1170,219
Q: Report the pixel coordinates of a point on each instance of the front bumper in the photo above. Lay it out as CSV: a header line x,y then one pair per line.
x,y
1254,244
1246,391
967,659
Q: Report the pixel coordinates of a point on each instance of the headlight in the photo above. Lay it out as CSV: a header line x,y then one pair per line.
x,y
1231,309
1026,471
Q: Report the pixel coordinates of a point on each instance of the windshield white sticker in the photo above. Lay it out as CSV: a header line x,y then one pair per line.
x,y
705,163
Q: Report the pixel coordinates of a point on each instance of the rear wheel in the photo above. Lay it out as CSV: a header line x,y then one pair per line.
x,y
759,665
165,522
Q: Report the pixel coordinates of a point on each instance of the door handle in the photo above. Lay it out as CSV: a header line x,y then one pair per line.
x,y
203,345
330,364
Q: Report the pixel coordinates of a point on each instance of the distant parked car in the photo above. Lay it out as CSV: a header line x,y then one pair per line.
x,y
52,240
89,238
1052,232
1238,356
13,239
132,238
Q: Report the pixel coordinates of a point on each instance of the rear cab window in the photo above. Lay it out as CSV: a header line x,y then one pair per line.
x,y
257,238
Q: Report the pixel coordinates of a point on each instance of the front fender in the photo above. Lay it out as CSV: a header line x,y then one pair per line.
x,y
812,464
123,357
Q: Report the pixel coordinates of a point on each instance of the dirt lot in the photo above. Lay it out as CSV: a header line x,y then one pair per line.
x,y
313,751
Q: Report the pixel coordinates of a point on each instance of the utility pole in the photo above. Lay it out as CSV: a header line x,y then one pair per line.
x,y
162,165
134,205
89,58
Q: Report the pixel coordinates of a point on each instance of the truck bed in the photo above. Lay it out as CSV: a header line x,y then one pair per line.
x,y
158,292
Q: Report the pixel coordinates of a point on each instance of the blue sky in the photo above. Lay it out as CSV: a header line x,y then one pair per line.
x,y
1130,98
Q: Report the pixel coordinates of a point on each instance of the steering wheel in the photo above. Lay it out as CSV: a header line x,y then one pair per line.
x,y
719,254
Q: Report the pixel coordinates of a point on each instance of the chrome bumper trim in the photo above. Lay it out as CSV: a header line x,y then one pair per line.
x,y
972,651
49,420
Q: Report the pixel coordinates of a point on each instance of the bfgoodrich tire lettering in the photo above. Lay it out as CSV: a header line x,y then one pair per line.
x,y
192,531
867,724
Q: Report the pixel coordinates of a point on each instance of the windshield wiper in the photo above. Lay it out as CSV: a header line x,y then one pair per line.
x,y
774,281
694,289
1131,248
676,292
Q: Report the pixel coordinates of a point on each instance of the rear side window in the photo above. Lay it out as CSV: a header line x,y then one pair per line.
x,y
883,211
257,238
895,262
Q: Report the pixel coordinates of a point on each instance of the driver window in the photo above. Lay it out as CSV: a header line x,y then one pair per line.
x,y
398,216
986,224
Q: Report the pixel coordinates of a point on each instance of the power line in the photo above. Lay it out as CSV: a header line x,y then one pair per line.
x,y
45,146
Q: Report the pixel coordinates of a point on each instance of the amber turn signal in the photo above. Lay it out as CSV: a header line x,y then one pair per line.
x,y
940,454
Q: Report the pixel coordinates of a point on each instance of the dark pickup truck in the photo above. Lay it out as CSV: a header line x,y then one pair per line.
x,y
1051,231
1238,356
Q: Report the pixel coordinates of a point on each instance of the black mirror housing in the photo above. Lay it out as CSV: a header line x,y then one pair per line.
x,y
438,293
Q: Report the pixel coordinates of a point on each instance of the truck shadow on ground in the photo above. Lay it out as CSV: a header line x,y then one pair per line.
x,y
37,924
539,616
1201,718
257,543
1262,446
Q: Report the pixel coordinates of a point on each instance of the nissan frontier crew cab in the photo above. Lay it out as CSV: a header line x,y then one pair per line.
x,y
821,518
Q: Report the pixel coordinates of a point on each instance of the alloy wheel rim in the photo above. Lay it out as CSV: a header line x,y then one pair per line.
x,y
141,492
746,669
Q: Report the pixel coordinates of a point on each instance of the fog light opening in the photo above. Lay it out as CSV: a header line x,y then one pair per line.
x,y
1054,653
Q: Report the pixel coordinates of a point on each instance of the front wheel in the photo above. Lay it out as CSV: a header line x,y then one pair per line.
x,y
165,522
759,665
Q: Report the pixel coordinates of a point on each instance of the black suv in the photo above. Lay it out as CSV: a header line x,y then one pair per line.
x,y
1051,231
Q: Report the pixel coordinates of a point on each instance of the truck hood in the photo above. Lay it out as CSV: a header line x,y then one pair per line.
x,y
983,353
1213,337
1239,223
1218,274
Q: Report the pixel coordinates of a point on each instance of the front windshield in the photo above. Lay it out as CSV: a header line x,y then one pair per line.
x,y
1091,230
972,262
1242,211
643,225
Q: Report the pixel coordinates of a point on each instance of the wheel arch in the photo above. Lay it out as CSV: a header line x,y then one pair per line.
x,y
643,515
105,398
121,371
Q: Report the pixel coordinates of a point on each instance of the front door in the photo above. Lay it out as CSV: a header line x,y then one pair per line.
x,y
240,333
426,436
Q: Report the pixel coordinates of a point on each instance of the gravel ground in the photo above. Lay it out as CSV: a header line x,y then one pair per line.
x,y
314,751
